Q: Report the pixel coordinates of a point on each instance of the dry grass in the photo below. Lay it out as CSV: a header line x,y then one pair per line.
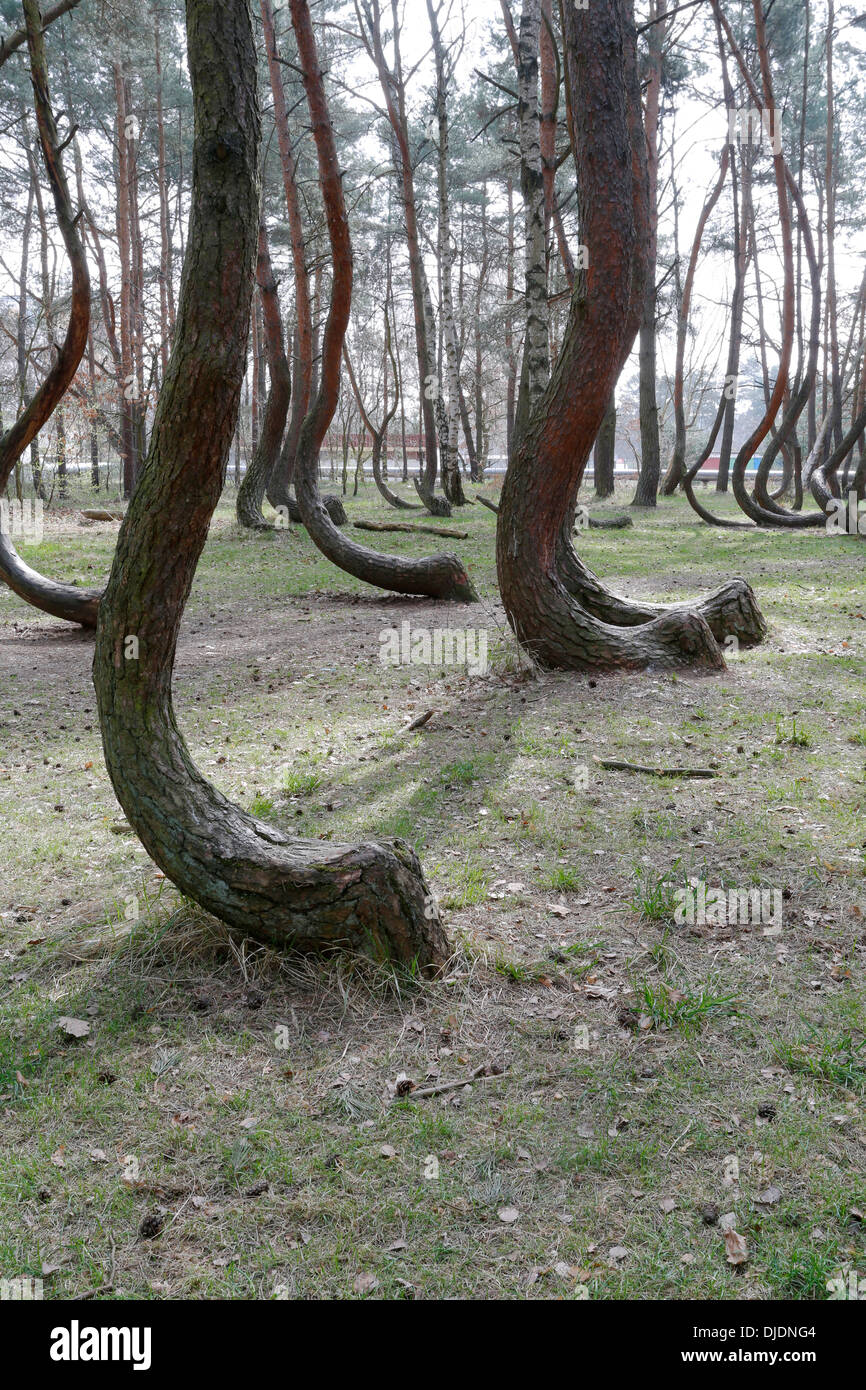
x,y
256,1091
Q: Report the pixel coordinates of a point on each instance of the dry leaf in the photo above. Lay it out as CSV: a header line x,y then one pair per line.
x,y
769,1197
738,1250
366,1282
600,992
74,1027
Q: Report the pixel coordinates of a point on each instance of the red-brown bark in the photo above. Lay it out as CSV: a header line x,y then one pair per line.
x,y
264,883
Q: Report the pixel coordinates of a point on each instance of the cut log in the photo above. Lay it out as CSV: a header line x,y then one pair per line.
x,y
406,526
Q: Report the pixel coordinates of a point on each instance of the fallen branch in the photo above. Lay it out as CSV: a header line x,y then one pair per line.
x,y
596,523
419,722
614,766
610,523
405,526
443,1087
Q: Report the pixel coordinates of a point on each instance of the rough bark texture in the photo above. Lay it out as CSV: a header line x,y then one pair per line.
x,y
283,890
545,473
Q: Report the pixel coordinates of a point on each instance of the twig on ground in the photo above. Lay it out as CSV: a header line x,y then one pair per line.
x,y
615,766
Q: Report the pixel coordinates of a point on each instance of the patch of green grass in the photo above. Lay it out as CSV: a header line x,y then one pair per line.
x,y
564,880
795,737
466,771
838,1058
301,783
654,896
686,1011
468,883
606,1155
799,1275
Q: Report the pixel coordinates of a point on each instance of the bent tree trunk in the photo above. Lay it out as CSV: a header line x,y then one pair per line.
x,y
439,576
60,600
542,480
252,490
270,885
729,612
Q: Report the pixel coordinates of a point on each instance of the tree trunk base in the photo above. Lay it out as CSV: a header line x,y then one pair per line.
x,y
731,611
560,634
436,506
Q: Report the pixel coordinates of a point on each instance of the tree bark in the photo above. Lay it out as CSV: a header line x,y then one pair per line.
x,y
252,490
542,480
286,891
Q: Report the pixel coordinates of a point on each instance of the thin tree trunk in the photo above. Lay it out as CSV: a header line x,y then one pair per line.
x,y
605,451
393,91
536,355
650,451
302,368
252,490
677,466
452,485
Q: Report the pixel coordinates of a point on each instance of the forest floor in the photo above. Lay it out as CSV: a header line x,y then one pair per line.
x,y
230,1124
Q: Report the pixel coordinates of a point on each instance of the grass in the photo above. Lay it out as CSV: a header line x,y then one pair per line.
x,y
839,1058
253,1092
689,1012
